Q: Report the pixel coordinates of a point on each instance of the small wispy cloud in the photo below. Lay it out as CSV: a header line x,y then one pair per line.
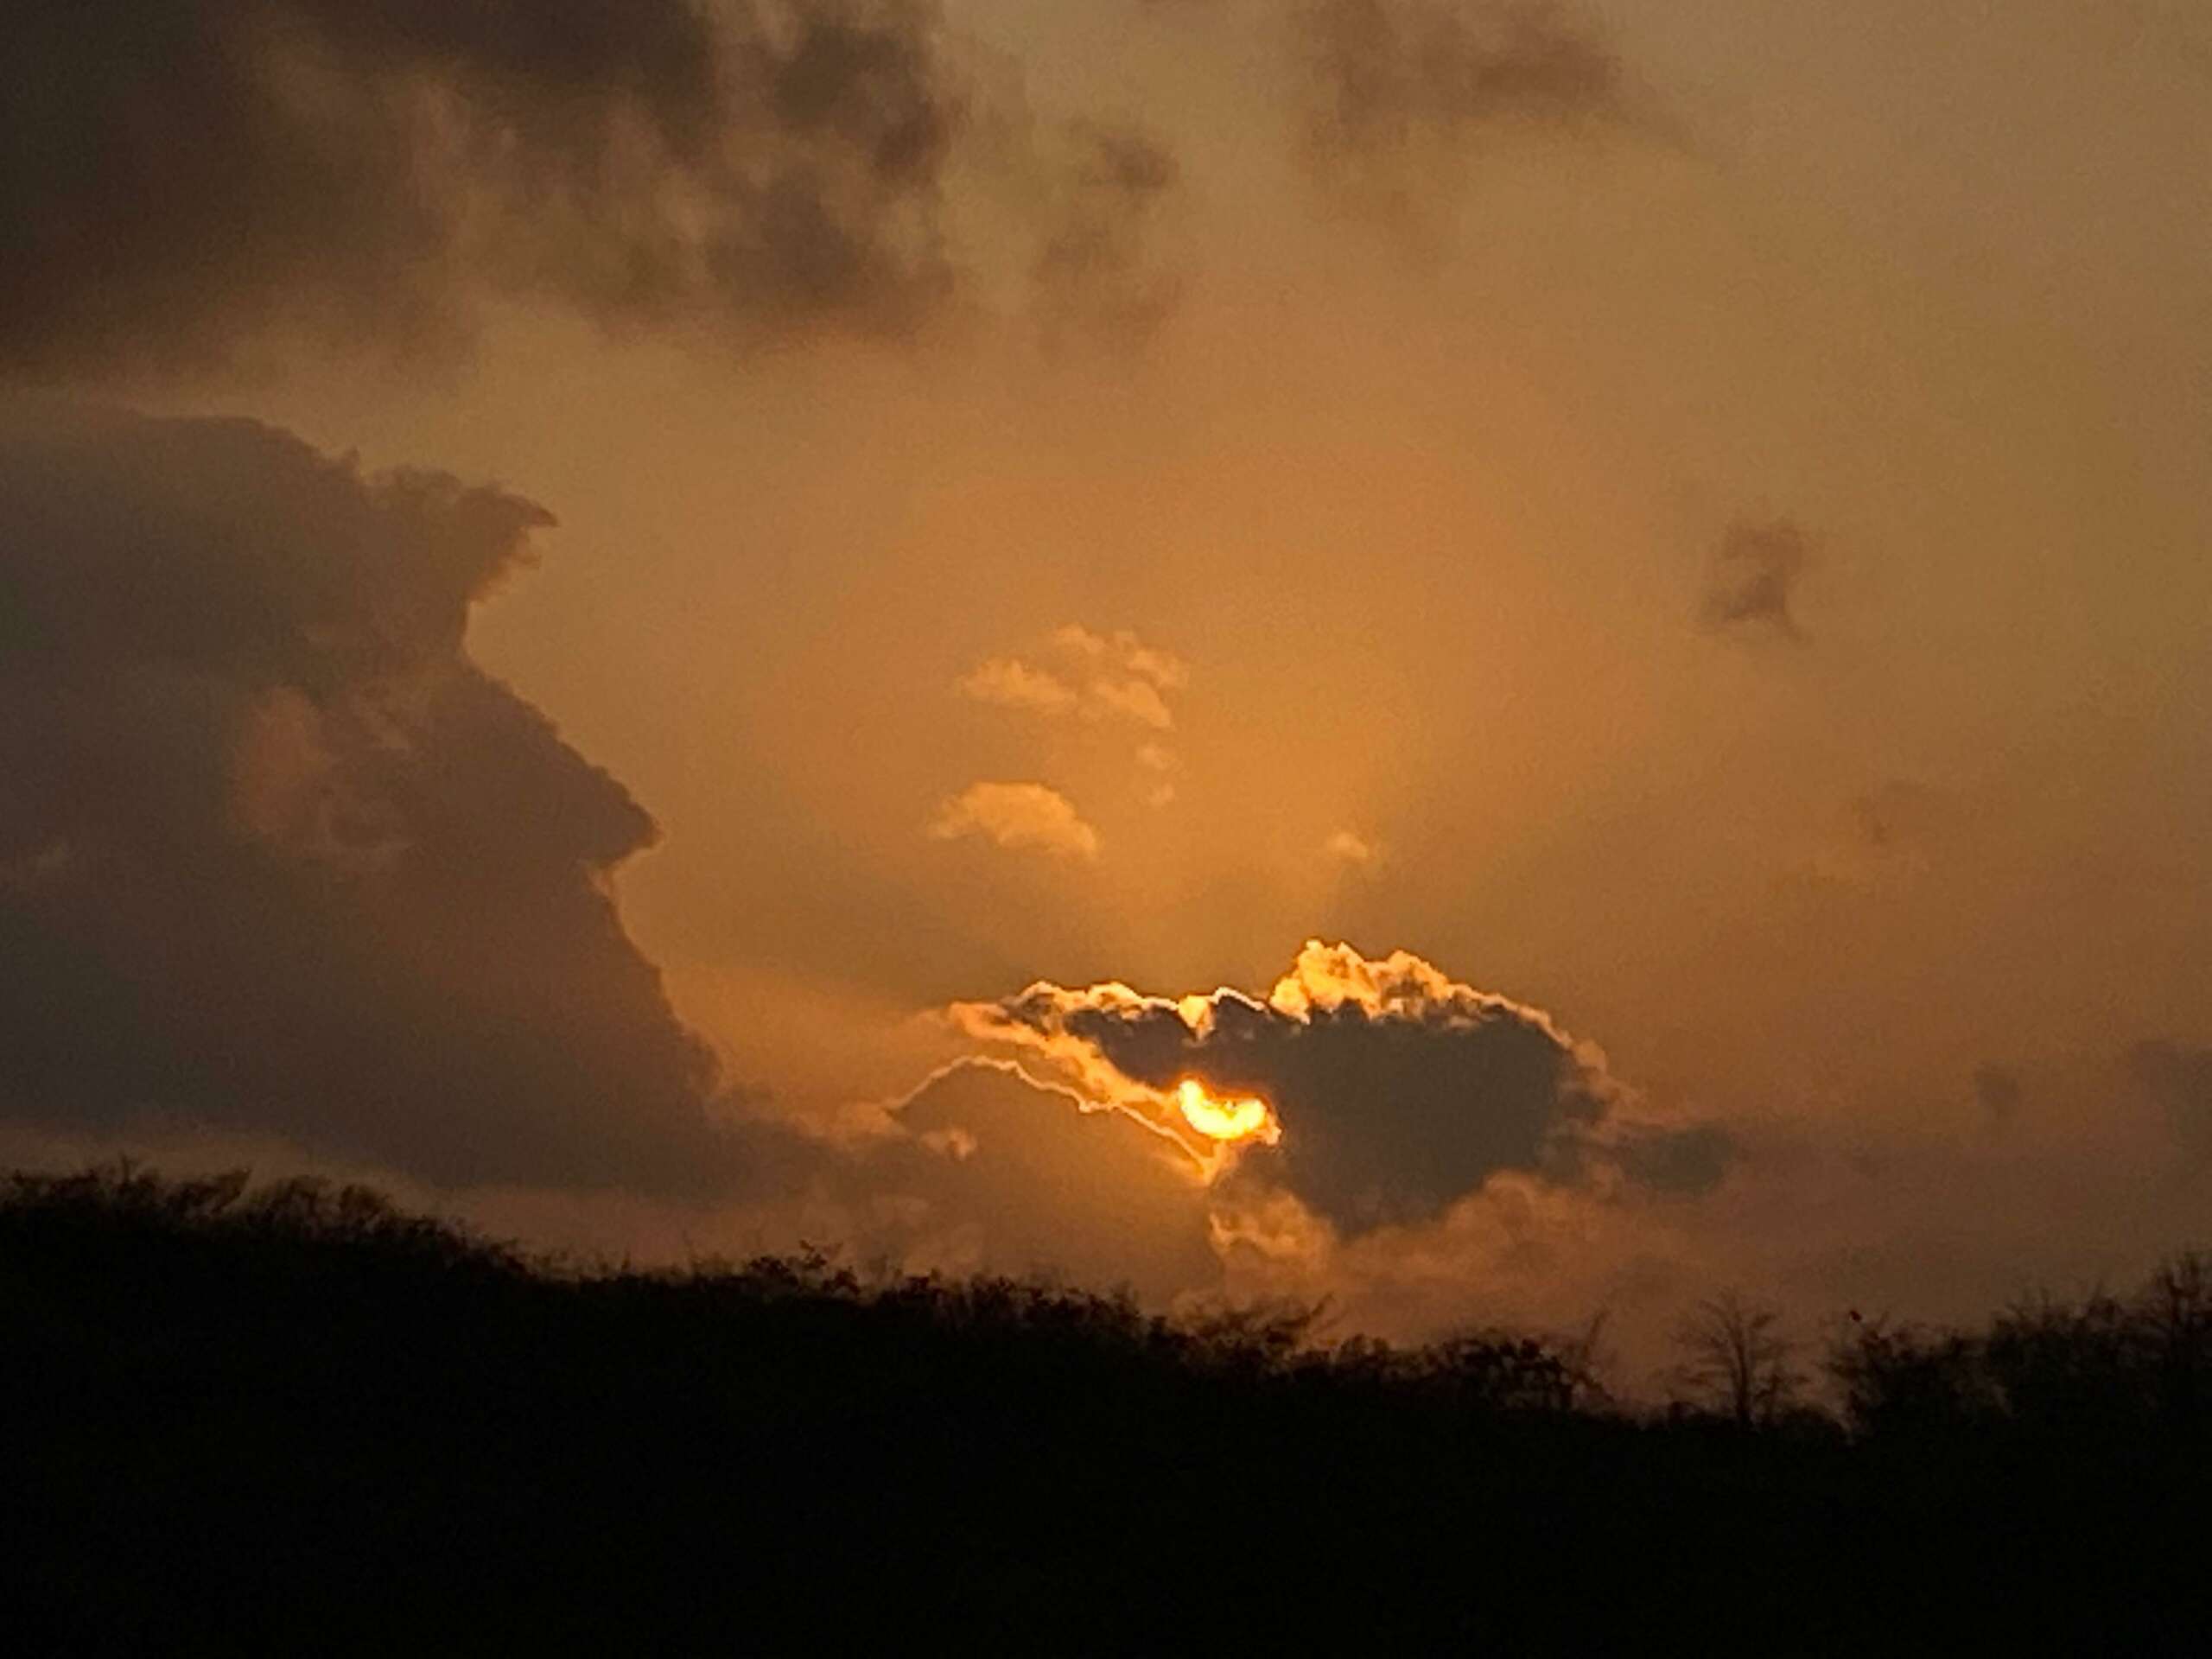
x,y
1132,699
1019,818
1350,847
1005,684
1124,650
1159,765
1098,676
1110,680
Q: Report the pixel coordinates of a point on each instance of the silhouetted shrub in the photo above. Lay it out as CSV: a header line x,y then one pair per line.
x,y
2093,1371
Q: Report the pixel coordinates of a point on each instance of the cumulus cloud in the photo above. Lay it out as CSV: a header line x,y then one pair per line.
x,y
1018,817
1396,1090
278,858
177,174
1752,585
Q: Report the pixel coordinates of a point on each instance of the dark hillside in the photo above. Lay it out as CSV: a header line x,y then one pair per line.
x,y
294,1421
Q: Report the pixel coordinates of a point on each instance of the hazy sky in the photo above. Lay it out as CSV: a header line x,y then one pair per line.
x,y
1669,539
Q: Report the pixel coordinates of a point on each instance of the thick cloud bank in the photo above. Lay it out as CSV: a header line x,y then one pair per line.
x,y
275,856
1397,1090
174,173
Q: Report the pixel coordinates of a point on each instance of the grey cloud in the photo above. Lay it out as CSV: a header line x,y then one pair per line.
x,y
1398,1090
176,173
1095,271
1394,84
277,857
1753,582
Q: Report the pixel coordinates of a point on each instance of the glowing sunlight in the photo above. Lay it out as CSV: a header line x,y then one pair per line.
x,y
1227,1119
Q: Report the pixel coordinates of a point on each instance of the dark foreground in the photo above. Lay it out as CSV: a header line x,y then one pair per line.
x,y
298,1422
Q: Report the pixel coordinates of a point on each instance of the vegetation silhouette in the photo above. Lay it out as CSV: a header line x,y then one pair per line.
x,y
1737,1359
295,1419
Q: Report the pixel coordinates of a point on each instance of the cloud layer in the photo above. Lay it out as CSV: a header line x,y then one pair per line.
x,y
174,173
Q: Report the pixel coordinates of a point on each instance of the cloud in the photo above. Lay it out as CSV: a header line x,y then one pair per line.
x,y
1348,847
1398,1090
1005,684
1130,699
1018,817
1102,678
1159,763
1124,651
1093,273
1105,680
176,174
1753,581
1399,91
278,857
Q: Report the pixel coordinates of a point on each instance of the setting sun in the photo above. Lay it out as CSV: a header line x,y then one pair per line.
x,y
1220,1119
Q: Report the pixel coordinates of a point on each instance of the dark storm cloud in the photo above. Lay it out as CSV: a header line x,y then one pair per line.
x,y
2179,1078
1752,584
1398,1089
1391,83
1093,272
174,173
275,856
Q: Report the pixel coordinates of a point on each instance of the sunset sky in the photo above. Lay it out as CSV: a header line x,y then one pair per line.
x,y
680,625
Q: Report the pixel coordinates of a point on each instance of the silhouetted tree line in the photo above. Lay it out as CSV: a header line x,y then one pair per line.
x,y
2099,1370
296,1418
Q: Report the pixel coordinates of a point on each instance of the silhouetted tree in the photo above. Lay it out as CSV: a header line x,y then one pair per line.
x,y
1903,1380
1738,1361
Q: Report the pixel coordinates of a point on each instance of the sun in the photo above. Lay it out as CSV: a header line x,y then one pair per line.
x,y
1224,1119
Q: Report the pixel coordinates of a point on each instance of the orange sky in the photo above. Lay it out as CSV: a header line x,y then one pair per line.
x,y
1415,489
